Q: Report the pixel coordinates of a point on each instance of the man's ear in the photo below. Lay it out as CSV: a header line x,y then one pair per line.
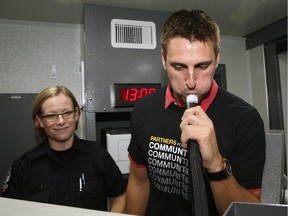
x,y
218,59
163,59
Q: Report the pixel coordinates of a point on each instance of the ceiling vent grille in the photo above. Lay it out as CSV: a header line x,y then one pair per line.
x,y
133,34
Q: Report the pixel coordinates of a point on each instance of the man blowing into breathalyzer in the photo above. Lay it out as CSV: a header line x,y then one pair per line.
x,y
229,131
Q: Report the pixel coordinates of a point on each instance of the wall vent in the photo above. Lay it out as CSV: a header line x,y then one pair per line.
x,y
133,34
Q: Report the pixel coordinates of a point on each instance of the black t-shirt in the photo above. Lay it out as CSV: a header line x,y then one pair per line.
x,y
83,176
155,144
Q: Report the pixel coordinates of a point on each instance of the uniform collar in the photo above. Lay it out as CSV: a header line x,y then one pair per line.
x,y
78,144
205,103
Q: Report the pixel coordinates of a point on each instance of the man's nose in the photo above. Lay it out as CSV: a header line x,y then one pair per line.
x,y
191,79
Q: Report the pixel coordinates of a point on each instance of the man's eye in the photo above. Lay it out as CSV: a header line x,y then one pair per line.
x,y
178,68
202,67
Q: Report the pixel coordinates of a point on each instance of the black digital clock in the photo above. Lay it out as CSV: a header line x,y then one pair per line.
x,y
126,94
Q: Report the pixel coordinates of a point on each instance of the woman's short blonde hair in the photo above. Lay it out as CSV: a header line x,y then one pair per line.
x,y
43,96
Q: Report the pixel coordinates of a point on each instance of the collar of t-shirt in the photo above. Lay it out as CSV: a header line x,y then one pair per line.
x,y
205,103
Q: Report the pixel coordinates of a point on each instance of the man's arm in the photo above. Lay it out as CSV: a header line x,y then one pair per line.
x,y
118,203
228,190
197,126
137,191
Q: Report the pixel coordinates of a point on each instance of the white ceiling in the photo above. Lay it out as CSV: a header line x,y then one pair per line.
x,y
235,17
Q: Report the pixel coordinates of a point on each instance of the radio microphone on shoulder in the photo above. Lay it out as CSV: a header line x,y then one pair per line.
x,y
197,180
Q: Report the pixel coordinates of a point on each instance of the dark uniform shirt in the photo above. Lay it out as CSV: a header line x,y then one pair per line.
x,y
83,176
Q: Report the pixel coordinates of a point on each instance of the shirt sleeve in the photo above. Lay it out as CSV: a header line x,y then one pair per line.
x,y
12,184
134,150
248,157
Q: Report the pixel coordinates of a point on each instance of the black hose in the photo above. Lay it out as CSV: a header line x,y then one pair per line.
x,y
197,179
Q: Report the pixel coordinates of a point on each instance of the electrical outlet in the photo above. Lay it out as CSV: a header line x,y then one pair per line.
x,y
54,71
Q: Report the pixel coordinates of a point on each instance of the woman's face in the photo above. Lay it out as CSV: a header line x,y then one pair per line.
x,y
59,130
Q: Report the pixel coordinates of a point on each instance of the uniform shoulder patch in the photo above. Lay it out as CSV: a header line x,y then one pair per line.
x,y
5,183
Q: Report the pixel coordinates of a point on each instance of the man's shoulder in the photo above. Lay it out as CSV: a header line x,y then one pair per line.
x,y
227,98
230,106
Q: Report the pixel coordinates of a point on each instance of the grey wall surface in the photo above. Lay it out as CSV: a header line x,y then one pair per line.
x,y
260,97
16,128
30,50
106,65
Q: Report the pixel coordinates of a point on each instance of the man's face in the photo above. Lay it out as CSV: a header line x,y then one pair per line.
x,y
190,67
61,130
